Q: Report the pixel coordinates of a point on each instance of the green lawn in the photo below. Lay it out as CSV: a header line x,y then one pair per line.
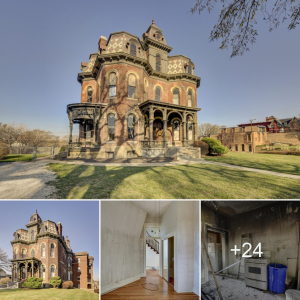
x,y
20,157
175,182
61,294
272,162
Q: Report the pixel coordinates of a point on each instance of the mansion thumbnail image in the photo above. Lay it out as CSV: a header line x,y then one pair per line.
x,y
135,100
42,251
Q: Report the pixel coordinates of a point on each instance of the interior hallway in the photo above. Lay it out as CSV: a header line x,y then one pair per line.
x,y
233,289
165,290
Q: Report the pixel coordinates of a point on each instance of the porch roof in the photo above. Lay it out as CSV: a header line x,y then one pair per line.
x,y
168,106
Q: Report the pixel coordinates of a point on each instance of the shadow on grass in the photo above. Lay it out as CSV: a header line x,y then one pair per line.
x,y
172,182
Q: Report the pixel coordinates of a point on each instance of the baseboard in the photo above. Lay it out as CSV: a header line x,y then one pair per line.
x,y
196,290
113,286
142,274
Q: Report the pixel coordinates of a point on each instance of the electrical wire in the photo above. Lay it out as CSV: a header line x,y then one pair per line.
x,y
143,286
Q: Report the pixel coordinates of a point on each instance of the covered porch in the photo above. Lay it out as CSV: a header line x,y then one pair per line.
x,y
24,268
167,124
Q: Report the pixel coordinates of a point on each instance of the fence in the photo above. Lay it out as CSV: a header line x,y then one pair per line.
x,y
35,151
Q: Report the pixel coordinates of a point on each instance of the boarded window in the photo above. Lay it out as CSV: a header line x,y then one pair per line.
x,y
112,84
157,93
52,250
176,126
23,253
43,250
111,127
44,272
52,272
89,94
158,63
176,96
131,86
32,253
133,49
190,97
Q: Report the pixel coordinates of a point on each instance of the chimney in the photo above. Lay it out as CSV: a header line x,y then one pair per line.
x,y
102,43
59,229
267,119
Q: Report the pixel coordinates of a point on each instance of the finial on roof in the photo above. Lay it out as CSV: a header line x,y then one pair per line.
x,y
36,211
153,22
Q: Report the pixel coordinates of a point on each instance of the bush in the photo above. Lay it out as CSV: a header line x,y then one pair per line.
x,y
33,283
62,149
5,280
55,281
215,146
96,291
203,146
67,285
4,150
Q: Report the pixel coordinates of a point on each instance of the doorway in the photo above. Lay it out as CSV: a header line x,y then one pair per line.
x,y
168,261
214,248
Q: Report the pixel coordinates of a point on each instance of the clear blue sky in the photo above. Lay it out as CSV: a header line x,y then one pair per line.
x,y
79,219
44,42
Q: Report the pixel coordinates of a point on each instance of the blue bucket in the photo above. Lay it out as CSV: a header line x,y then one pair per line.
x,y
276,278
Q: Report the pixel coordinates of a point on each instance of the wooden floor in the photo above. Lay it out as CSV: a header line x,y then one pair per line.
x,y
165,291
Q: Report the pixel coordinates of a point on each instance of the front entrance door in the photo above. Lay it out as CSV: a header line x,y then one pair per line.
x,y
158,132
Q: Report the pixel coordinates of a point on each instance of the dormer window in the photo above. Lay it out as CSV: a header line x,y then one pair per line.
x,y
189,69
133,49
32,235
158,63
158,37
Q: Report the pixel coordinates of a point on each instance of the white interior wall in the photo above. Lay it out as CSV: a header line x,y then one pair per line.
x,y
121,228
196,288
152,258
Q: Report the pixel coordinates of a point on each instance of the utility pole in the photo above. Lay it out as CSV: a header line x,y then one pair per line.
x,y
252,135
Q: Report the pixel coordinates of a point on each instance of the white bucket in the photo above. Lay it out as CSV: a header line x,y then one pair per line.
x,y
292,295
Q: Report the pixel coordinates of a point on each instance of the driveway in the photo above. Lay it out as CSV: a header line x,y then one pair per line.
x,y
25,180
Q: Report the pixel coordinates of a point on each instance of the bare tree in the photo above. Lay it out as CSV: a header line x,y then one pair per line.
x,y
206,129
10,133
237,19
4,261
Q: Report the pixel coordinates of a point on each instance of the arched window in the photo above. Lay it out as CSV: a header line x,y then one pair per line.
x,y
43,229
157,93
23,253
133,49
111,127
16,254
190,128
89,94
44,272
131,125
176,96
131,86
69,275
189,69
32,235
69,262
52,272
43,250
32,253
52,250
158,63
190,93
112,84
176,126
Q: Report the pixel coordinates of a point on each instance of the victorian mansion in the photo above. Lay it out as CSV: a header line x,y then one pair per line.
x,y
135,99
42,251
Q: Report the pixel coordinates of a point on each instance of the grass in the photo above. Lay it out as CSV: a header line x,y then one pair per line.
x,y
20,157
61,294
289,164
174,182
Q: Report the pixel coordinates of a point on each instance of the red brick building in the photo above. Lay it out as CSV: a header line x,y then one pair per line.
x,y
136,100
42,251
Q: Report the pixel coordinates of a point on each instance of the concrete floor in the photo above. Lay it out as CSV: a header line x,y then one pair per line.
x,y
233,289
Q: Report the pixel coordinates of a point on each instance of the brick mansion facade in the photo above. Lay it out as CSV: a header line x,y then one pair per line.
x,y
42,251
135,99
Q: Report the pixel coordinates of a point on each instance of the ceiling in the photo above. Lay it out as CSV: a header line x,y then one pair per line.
x,y
154,208
232,208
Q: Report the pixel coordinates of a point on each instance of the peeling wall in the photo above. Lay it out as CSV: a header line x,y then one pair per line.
x,y
275,227
121,226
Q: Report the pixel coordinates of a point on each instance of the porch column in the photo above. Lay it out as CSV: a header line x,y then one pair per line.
x,y
17,271
151,118
26,268
12,273
194,132
38,270
32,266
184,144
70,130
165,127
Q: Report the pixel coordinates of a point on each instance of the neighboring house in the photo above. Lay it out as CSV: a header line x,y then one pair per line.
x,y
135,99
241,139
3,274
42,251
133,232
